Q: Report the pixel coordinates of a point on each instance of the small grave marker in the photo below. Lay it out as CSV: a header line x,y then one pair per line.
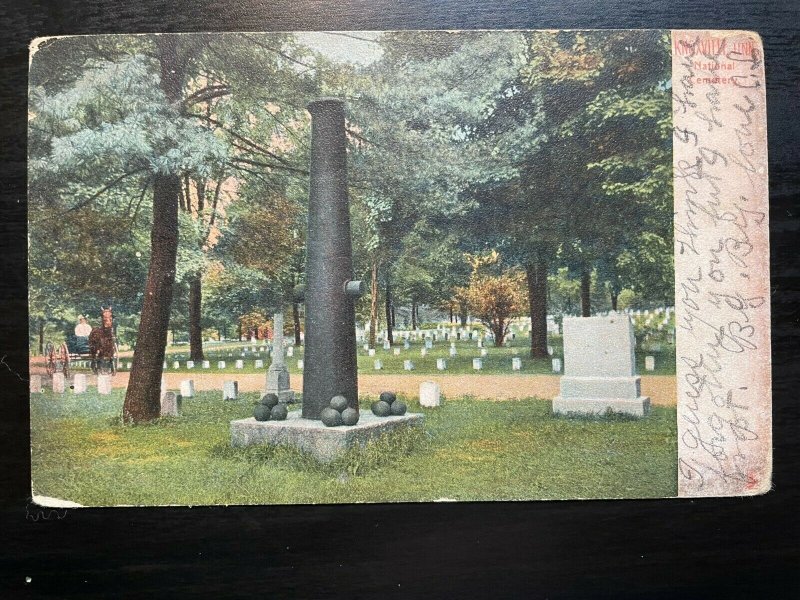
x,y
408,365
378,365
516,364
430,395
104,384
477,364
59,383
556,365
187,388
240,364
230,390
221,364
79,383
441,364
650,363
170,404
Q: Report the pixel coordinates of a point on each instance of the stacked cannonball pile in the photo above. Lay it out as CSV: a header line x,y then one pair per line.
x,y
388,405
338,413
269,409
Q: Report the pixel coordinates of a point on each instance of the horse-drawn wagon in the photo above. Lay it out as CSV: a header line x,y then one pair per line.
x,y
99,350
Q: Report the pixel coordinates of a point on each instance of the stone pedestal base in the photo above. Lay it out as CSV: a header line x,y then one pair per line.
x,y
636,407
309,435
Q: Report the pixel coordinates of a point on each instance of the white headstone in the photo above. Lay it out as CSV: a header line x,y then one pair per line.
x,y
371,352
423,352
430,396
300,364
190,364
164,366
550,350
187,388
428,344
516,364
59,383
221,364
230,390
259,363
600,368
556,365
366,347
650,363
79,383
128,366
477,364
484,352
406,345
386,345
480,343
397,351
290,351
240,364
36,384
206,364
453,352
104,384
378,364
170,404
408,365
441,364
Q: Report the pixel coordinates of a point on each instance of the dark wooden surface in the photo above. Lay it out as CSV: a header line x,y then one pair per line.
x,y
732,548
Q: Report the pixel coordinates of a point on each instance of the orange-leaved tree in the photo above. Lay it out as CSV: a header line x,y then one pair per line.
x,y
495,295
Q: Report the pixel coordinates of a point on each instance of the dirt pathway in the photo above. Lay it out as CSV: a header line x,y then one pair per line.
x,y
660,388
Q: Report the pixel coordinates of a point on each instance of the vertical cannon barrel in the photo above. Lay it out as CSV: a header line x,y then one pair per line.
x,y
331,364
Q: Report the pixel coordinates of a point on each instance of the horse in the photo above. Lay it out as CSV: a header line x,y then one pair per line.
x,y
102,345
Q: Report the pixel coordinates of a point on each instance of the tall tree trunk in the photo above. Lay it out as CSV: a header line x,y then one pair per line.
x,y
536,275
394,316
143,397
499,330
195,326
296,321
388,305
413,314
239,329
614,298
41,337
462,314
450,307
373,305
586,288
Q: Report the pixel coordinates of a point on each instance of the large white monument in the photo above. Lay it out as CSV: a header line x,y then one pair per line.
x,y
600,368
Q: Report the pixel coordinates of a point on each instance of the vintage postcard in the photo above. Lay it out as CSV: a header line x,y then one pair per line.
x,y
398,266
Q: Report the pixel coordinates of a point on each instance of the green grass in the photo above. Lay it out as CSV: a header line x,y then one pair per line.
x,y
498,360
469,450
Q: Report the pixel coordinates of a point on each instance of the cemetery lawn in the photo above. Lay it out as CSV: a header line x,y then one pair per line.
x,y
470,450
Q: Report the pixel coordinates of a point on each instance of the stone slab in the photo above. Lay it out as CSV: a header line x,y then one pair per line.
x,y
599,346
310,435
187,388
430,394
104,384
637,407
170,404
36,384
79,383
59,383
600,387
230,390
